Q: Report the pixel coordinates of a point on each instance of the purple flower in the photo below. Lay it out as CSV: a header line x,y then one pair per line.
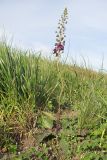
x,y
58,47
60,34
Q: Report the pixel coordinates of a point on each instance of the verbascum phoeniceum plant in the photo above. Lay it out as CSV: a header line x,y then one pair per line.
x,y
57,51
60,34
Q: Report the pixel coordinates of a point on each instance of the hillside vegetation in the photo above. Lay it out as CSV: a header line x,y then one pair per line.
x,y
50,110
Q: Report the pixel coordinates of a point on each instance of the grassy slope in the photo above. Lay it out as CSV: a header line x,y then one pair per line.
x,y
30,85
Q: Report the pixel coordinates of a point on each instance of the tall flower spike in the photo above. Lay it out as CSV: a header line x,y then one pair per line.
x,y
60,34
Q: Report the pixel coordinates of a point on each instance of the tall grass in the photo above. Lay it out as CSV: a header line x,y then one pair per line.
x,y
29,83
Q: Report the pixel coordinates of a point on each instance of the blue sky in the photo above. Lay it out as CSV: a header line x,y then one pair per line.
x,y
31,24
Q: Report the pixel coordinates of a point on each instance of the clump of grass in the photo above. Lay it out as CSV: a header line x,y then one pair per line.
x,y
30,84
